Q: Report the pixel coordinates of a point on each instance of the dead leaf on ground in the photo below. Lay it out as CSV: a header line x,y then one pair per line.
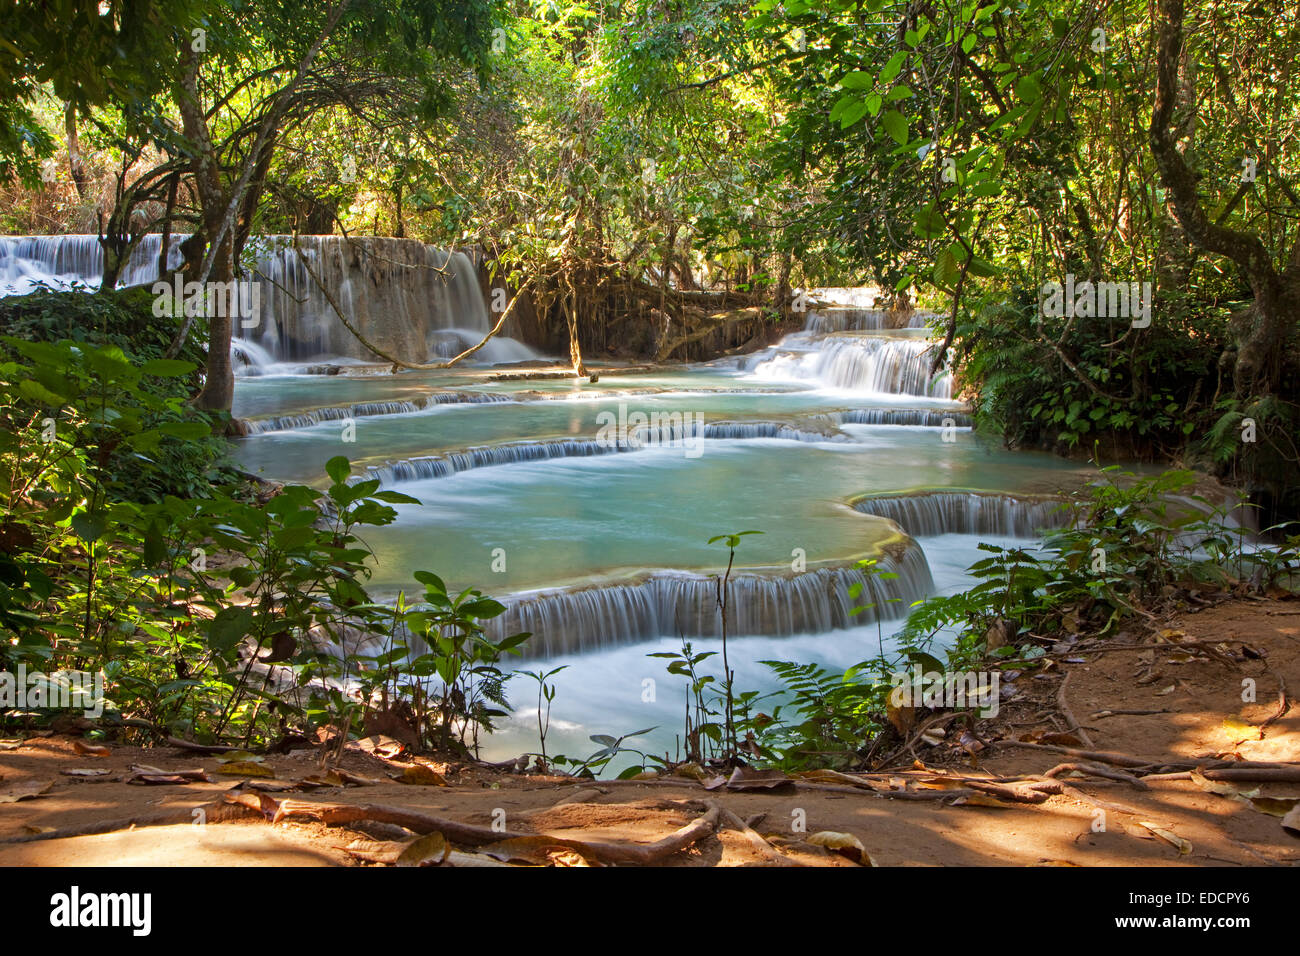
x,y
315,781
376,851
528,849
565,856
1291,822
845,844
747,778
85,772
1169,836
418,775
458,858
28,790
428,850
356,779
240,756
89,749
832,776
145,774
1220,788
1275,806
983,800
1240,730
692,771
386,748
11,744
245,768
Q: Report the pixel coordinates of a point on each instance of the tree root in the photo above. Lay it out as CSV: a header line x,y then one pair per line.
x,y
634,854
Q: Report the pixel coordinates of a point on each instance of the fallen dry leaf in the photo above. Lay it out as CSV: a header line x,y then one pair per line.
x,y
245,768
564,856
418,775
145,774
27,790
1169,836
1275,806
1222,789
747,778
240,756
1239,730
845,844
428,850
83,772
89,749
1291,822
983,800
528,849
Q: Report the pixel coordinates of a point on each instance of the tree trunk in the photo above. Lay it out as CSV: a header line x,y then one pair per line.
x,y
219,386
1262,333
80,178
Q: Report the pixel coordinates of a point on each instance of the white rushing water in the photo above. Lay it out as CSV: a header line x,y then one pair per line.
x,y
412,300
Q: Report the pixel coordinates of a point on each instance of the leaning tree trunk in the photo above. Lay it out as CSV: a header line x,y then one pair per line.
x,y
1263,331
219,387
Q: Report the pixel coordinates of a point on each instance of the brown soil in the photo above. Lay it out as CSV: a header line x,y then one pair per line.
x,y
1198,689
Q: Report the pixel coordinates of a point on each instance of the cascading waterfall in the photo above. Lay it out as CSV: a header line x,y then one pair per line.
x,y
856,363
336,413
509,453
929,513
412,300
59,262
673,603
825,321
936,418
734,431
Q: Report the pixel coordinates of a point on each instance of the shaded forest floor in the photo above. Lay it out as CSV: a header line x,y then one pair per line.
x,y
975,800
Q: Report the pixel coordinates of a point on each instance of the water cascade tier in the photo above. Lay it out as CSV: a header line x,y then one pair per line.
x,y
853,362
577,620
411,300
928,513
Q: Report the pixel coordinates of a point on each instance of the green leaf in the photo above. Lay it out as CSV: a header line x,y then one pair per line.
x,y
167,368
229,627
852,113
89,527
895,125
338,468
189,431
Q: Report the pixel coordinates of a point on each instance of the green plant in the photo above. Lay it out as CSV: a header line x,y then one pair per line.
x,y
545,691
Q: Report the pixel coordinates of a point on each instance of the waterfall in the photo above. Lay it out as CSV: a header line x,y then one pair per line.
x,y
824,321
929,513
409,299
509,453
734,431
440,466
337,413
855,363
936,418
668,604
27,262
